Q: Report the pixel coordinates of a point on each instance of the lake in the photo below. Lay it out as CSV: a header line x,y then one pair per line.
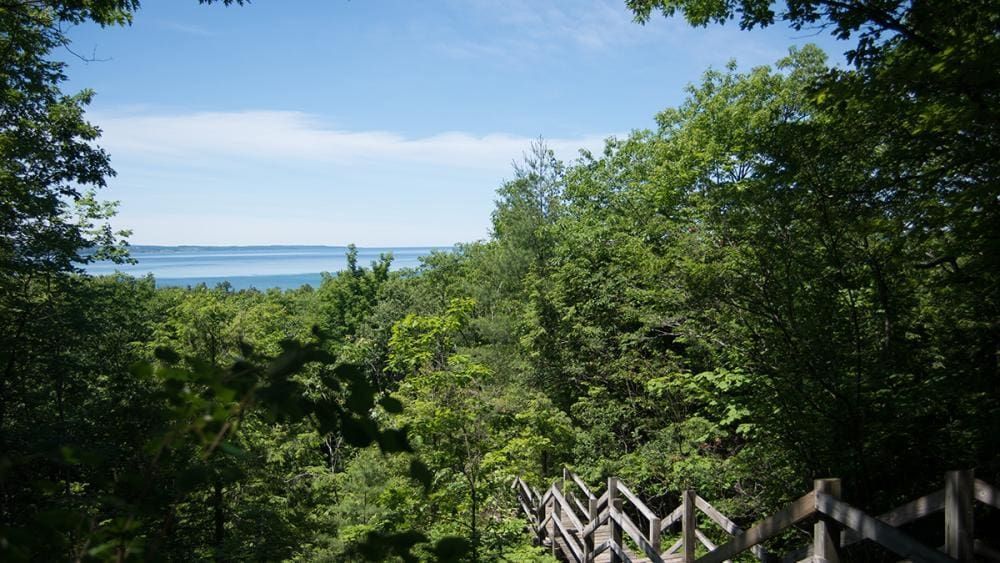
x,y
261,267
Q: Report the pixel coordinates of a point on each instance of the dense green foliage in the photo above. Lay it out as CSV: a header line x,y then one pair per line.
x,y
794,275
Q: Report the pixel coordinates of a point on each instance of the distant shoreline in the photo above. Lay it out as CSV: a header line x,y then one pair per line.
x,y
253,266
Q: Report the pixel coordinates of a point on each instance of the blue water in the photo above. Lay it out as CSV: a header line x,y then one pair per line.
x,y
261,267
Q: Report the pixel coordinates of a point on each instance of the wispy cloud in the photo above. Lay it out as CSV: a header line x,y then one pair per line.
x,y
524,30
187,29
297,136
594,24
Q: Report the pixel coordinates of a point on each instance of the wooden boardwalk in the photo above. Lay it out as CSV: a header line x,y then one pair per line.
x,y
580,527
601,535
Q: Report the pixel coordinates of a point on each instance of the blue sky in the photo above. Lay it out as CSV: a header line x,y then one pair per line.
x,y
378,122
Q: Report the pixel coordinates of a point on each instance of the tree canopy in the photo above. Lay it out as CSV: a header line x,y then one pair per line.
x,y
793,275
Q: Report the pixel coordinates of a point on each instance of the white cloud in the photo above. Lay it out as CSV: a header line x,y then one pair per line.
x,y
296,136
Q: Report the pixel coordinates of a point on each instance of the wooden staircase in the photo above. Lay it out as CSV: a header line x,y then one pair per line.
x,y
580,527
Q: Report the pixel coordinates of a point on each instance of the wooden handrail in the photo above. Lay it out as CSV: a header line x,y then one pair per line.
x,y
547,496
726,524
569,540
915,509
605,545
792,514
620,552
524,487
987,494
569,511
583,486
602,500
673,549
577,504
636,502
602,518
541,525
526,510
672,518
704,540
878,531
572,526
904,514
632,530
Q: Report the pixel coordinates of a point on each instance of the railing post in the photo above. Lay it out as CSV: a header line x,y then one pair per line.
x,y
588,542
539,518
959,487
654,534
688,525
614,509
556,517
826,533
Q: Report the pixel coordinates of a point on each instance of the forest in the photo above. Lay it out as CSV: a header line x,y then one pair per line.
x,y
795,274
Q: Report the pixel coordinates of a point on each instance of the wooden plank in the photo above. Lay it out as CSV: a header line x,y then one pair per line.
x,y
527,491
602,501
618,551
719,518
602,548
709,544
904,514
704,540
548,495
576,503
792,514
672,518
958,514
632,530
545,521
987,494
527,510
915,509
677,545
595,523
881,533
636,501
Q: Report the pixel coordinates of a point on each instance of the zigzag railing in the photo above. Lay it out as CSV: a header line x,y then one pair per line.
x,y
583,528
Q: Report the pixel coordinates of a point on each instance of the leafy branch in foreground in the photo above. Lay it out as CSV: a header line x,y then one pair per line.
x,y
205,408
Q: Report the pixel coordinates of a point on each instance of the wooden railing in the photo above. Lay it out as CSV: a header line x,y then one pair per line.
x,y
581,527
